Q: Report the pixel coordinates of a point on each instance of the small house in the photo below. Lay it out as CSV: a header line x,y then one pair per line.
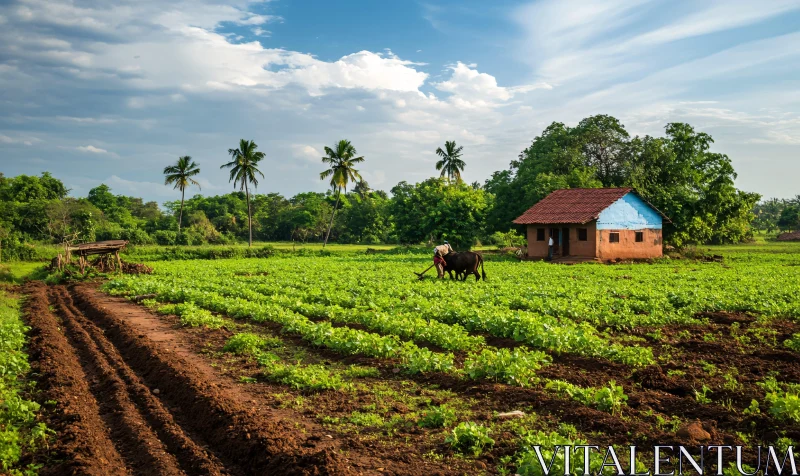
x,y
594,223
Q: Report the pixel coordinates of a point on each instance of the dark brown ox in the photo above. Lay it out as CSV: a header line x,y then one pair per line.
x,y
464,263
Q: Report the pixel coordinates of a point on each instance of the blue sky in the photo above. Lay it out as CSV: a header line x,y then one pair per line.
x,y
111,92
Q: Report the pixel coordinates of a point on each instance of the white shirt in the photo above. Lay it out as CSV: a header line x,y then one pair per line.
x,y
550,243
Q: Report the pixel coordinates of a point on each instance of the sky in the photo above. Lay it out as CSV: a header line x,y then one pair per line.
x,y
112,92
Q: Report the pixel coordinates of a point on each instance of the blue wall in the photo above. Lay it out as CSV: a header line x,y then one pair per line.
x,y
629,213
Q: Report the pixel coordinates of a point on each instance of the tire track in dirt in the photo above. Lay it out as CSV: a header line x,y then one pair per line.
x,y
84,445
146,431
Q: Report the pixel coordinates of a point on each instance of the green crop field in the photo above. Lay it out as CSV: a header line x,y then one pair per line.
x,y
617,354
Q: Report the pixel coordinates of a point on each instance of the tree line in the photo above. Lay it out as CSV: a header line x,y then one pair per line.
x,y
677,173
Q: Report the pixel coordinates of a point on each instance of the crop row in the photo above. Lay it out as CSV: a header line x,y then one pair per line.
x,y
516,368
433,322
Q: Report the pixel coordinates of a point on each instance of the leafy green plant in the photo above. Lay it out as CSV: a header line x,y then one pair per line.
x,y
301,377
793,343
701,396
708,367
517,367
469,437
785,406
731,380
437,417
246,343
19,430
527,461
358,371
365,419
753,409
610,399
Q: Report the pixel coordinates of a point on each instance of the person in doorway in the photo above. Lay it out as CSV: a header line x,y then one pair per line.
x,y
550,249
438,257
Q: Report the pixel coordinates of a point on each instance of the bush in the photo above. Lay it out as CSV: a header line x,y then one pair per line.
x,y
511,238
166,237
137,237
189,238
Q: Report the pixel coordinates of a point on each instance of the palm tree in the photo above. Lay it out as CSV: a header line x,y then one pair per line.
x,y
244,168
451,163
362,188
181,175
341,160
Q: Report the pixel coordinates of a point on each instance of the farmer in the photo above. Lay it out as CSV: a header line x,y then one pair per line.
x,y
550,249
438,257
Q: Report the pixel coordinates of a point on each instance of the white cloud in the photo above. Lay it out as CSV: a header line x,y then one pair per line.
x,y
92,149
255,19
24,140
568,40
472,89
307,153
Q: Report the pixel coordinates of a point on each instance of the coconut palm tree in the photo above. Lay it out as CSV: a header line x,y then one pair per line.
x,y
244,168
181,175
362,188
451,164
341,159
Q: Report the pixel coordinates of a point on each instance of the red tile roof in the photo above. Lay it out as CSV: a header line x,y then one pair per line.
x,y
573,205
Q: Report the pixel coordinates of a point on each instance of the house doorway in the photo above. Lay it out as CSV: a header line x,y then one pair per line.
x,y
564,241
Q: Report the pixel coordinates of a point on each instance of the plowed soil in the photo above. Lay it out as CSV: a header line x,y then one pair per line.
x,y
133,398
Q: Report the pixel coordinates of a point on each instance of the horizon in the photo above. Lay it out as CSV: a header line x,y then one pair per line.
x,y
97,94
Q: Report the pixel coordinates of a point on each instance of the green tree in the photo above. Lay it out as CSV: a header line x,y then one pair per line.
x,y
341,160
677,173
181,175
603,141
435,209
789,219
244,168
450,163
362,188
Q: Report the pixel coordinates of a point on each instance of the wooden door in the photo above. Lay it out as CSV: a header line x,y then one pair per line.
x,y
564,241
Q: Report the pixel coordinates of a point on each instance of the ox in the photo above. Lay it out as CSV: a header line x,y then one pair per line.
x,y
464,263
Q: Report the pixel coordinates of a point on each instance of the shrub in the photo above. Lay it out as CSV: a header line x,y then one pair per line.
x,y
137,237
469,437
166,237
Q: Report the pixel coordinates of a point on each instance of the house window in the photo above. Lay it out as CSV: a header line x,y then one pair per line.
x,y
613,237
540,234
639,236
583,234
